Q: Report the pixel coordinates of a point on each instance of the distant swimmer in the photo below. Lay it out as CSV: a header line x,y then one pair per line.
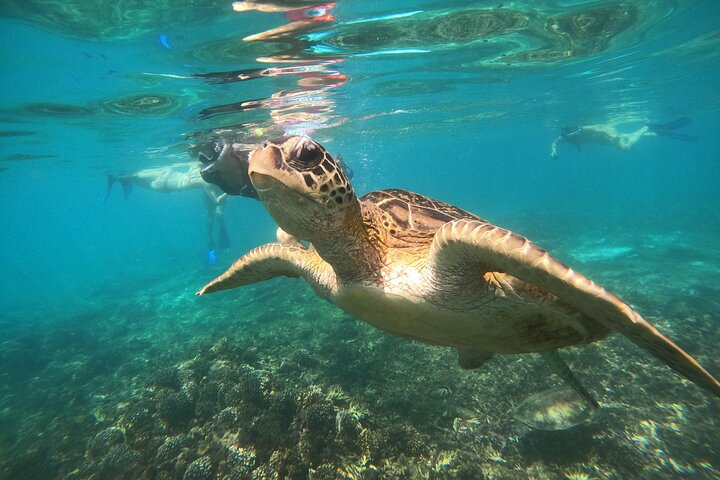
x,y
212,167
607,134
169,178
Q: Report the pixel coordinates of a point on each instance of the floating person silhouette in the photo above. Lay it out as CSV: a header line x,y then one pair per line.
x,y
608,134
213,158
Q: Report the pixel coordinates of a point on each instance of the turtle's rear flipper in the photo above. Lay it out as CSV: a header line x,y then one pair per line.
x,y
561,369
495,249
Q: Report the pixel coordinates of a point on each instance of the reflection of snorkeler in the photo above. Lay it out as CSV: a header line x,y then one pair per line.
x,y
609,135
309,69
303,18
293,112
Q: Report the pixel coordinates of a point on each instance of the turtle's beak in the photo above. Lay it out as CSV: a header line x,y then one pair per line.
x,y
262,182
264,162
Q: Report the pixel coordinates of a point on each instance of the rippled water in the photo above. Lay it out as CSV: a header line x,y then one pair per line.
x,y
457,100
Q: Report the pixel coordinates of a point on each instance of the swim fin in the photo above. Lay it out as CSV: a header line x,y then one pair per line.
x,y
667,129
110,182
678,136
125,183
127,187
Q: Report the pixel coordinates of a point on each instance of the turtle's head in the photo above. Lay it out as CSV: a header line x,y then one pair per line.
x,y
305,190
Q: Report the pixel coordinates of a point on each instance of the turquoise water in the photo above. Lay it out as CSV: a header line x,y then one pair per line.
x,y
111,367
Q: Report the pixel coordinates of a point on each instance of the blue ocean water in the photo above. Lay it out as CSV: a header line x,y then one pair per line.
x,y
103,339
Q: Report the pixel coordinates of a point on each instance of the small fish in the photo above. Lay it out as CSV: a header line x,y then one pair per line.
x,y
26,156
15,133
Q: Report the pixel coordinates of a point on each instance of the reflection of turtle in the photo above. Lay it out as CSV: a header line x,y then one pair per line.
x,y
427,270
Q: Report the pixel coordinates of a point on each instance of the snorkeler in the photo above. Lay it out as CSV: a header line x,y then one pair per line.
x,y
608,134
217,164
225,164
215,214
171,178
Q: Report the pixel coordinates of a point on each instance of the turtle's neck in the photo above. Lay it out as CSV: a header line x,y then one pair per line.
x,y
349,247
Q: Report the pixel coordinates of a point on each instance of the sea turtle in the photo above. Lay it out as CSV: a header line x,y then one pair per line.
x,y
426,270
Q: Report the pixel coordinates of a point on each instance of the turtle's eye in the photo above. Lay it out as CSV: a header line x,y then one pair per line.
x,y
307,155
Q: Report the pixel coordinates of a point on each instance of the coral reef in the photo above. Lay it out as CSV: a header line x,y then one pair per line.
x,y
290,388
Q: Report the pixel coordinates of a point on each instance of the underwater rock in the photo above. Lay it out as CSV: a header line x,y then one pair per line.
x,y
175,408
373,443
318,418
405,439
239,464
171,448
252,384
121,458
104,440
165,378
200,469
284,404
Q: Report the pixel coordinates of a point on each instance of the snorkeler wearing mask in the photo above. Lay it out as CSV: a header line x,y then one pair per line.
x,y
608,134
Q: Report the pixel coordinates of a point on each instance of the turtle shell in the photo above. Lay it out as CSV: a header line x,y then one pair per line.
x,y
405,211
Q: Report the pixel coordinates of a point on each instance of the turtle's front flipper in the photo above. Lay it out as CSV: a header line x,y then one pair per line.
x,y
269,261
560,368
462,242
